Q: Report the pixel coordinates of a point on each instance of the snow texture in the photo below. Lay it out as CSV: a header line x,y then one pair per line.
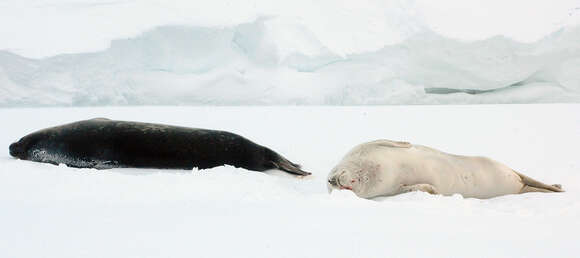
x,y
57,211
323,53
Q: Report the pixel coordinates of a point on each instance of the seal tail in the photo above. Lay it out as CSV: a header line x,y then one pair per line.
x,y
287,166
532,185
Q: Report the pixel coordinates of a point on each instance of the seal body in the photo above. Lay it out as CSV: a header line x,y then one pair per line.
x,y
102,143
385,168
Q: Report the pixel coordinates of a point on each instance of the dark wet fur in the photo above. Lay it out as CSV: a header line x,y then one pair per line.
x,y
103,143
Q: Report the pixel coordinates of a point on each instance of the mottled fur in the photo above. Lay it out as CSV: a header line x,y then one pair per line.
x,y
102,143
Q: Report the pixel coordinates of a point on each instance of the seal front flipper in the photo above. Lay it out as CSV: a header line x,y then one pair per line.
x,y
419,187
106,164
394,144
100,119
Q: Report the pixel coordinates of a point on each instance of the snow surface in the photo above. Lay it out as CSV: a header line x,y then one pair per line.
x,y
103,52
56,211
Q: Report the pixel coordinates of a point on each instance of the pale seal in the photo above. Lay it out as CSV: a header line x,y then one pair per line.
x,y
102,143
385,168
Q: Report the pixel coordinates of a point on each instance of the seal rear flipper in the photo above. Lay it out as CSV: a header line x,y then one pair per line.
x,y
100,119
532,185
287,166
531,189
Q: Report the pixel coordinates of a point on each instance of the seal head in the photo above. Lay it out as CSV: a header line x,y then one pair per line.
x,y
16,150
359,177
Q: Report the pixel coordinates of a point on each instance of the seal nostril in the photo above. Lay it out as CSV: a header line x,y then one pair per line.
x,y
332,181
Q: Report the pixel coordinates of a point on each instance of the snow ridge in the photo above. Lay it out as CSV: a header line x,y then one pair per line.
x,y
269,62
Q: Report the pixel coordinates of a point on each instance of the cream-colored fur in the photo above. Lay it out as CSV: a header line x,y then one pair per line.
x,y
384,168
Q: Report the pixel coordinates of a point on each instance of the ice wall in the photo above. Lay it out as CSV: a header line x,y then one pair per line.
x,y
266,52
271,62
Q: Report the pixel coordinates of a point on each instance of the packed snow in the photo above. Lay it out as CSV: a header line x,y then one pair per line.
x,y
89,53
56,211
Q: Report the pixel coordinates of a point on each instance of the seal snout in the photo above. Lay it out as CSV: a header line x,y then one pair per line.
x,y
333,181
15,150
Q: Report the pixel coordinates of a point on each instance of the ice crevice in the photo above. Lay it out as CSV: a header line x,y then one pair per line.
x,y
528,81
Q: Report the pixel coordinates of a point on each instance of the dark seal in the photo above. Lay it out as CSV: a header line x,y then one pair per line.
x,y
102,143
